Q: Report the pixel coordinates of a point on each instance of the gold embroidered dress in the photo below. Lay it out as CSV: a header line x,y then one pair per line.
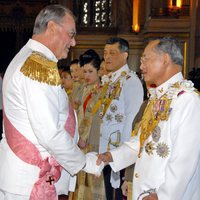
x,y
89,187
77,92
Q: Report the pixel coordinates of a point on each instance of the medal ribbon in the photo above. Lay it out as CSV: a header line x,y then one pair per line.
x,y
156,110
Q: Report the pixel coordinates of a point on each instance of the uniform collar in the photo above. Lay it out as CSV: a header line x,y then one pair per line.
x,y
39,47
118,73
162,89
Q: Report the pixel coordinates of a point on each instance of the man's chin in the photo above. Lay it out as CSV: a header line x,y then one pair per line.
x,y
65,55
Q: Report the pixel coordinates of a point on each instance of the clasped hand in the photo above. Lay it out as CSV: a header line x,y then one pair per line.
x,y
104,157
95,163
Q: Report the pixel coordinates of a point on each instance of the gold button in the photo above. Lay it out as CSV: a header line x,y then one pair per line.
x,y
136,175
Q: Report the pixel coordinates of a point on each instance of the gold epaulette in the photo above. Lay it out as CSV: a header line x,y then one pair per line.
x,y
39,68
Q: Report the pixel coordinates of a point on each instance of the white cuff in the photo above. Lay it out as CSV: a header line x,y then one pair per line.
x,y
91,166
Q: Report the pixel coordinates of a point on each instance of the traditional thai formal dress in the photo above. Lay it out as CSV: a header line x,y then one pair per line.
x,y
165,144
88,186
77,92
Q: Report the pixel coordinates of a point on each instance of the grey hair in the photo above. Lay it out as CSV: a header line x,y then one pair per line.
x,y
54,13
171,46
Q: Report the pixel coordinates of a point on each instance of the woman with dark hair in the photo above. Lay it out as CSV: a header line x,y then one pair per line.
x,y
89,126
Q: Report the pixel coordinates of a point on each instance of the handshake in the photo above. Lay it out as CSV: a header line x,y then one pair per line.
x,y
96,162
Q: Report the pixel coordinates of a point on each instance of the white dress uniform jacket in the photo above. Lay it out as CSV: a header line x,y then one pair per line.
x,y
117,121
172,167
116,126
38,111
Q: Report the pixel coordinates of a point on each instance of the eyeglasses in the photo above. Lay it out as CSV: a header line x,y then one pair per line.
x,y
71,34
144,59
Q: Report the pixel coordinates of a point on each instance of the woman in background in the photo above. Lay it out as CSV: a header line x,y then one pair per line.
x,y
88,187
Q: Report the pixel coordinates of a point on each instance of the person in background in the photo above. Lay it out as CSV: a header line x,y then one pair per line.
x,y
88,187
165,144
39,149
76,71
119,102
67,82
102,71
79,83
60,69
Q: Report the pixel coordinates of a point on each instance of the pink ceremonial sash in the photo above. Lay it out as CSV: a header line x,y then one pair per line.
x,y
50,170
70,124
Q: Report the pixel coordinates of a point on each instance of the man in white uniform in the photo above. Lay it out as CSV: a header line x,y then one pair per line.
x,y
122,96
40,134
165,144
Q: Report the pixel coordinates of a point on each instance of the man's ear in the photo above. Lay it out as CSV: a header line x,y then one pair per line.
x,y
166,59
51,26
125,54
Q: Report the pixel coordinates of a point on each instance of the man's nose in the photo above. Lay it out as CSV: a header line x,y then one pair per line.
x,y
73,42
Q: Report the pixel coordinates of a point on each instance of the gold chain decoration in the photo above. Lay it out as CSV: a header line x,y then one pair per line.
x,y
101,97
38,67
109,92
114,93
159,109
156,111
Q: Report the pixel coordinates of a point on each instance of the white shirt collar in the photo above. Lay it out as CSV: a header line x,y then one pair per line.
x,y
162,89
39,47
117,73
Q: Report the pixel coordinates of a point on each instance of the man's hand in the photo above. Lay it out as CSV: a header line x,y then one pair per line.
x,y
91,167
152,196
82,143
124,188
104,157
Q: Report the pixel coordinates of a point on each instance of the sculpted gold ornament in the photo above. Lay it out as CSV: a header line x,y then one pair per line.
x,y
39,68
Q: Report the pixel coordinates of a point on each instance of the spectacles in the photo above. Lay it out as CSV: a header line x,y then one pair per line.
x,y
71,34
144,59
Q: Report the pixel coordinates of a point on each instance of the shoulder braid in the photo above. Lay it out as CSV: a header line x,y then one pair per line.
x,y
39,68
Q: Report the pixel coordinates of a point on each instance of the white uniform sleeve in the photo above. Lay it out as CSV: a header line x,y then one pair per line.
x,y
185,150
47,109
125,155
133,98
